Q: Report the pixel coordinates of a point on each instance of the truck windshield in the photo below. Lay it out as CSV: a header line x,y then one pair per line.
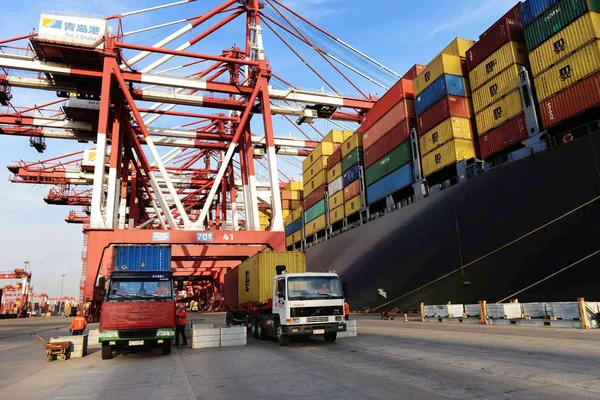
x,y
140,289
314,287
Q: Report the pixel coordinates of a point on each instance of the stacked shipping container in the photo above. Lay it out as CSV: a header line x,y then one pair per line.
x,y
291,202
352,164
494,63
563,40
443,109
335,187
386,139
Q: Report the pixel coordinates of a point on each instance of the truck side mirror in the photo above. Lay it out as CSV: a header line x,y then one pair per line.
x,y
102,285
179,283
345,288
281,289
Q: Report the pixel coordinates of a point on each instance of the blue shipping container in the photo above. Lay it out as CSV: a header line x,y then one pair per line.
x,y
446,84
395,181
531,9
143,258
293,227
351,175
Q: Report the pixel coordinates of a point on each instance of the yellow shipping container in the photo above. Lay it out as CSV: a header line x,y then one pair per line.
x,y
442,64
316,225
314,183
496,88
322,149
450,153
315,168
336,200
285,213
334,172
351,143
296,195
498,113
458,47
255,275
337,136
293,186
353,205
297,213
569,71
296,204
293,238
507,55
565,42
337,214
449,129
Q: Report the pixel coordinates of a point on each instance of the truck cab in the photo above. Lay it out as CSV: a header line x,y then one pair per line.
x,y
138,310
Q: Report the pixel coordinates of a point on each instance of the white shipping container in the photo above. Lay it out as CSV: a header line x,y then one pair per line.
x,y
335,186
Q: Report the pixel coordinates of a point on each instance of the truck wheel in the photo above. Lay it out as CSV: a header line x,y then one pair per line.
x,y
281,339
228,319
254,328
166,349
262,332
331,336
106,351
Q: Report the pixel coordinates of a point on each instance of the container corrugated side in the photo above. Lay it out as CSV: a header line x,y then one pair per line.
x,y
390,140
293,238
142,258
351,174
504,31
317,225
315,196
531,9
351,143
230,288
572,101
352,190
293,227
403,89
336,200
334,173
402,129
315,183
501,111
442,64
334,158
337,214
322,149
293,186
336,185
388,163
355,156
314,169
255,275
458,47
450,129
413,72
450,153
297,213
404,109
399,179
555,18
337,136
449,106
564,43
496,88
572,69
503,137
312,213
507,55
445,85
352,206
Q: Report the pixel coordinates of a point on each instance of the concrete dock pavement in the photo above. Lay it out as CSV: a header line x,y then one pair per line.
x,y
387,360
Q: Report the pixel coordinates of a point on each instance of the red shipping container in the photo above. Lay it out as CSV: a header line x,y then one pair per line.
x,y
514,14
398,135
404,109
335,158
317,195
504,136
403,89
352,190
449,106
571,101
414,71
230,298
502,32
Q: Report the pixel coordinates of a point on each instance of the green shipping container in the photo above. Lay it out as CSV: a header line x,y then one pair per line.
x,y
352,158
315,211
388,163
555,18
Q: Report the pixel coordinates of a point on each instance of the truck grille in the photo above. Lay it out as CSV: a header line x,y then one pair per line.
x,y
137,333
317,319
316,311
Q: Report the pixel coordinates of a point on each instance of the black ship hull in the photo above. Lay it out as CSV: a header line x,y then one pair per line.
x,y
509,228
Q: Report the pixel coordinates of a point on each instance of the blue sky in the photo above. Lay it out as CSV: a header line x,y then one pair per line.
x,y
397,33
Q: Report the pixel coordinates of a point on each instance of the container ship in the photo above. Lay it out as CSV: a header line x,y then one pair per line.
x,y
476,177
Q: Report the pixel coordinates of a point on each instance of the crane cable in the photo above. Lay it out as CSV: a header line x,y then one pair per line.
x,y
501,248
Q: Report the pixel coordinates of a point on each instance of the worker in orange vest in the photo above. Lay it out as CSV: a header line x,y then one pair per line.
x,y
78,324
180,321
346,311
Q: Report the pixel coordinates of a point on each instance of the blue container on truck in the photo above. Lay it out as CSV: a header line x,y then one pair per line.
x,y
395,181
351,175
531,9
142,258
293,227
445,85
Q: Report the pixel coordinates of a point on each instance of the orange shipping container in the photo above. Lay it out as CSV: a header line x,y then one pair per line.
x,y
352,190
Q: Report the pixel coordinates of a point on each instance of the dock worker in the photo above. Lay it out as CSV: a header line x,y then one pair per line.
x,y
78,324
324,288
346,311
180,321
161,289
